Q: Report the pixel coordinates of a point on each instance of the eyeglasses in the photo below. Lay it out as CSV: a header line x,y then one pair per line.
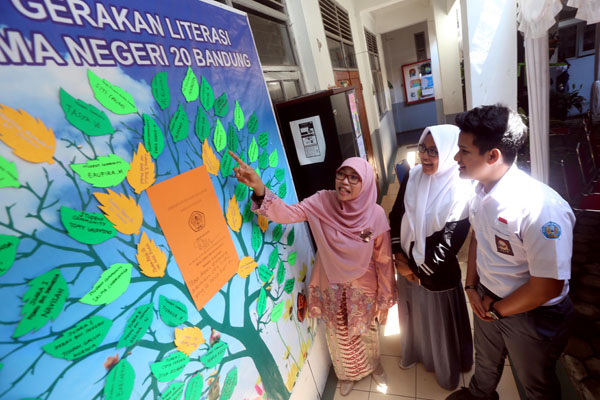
x,y
353,179
431,152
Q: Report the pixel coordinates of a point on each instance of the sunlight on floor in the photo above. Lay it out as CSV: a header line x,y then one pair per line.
x,y
411,158
392,326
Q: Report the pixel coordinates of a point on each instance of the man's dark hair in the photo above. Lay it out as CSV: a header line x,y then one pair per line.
x,y
494,126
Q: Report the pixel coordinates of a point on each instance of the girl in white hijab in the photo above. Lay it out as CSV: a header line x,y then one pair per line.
x,y
429,224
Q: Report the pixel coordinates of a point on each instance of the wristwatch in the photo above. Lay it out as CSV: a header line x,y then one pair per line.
x,y
493,312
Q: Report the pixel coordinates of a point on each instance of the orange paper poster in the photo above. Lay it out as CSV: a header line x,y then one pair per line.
x,y
189,213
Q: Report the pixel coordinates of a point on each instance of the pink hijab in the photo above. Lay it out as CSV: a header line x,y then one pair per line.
x,y
345,231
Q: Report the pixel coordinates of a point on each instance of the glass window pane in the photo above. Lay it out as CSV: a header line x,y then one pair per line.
x,y
275,91
335,53
589,37
272,41
350,57
567,39
290,88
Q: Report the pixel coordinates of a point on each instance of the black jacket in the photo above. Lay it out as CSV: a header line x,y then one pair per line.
x,y
440,248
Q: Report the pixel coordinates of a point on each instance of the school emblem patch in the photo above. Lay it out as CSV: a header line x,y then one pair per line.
x,y
551,230
503,246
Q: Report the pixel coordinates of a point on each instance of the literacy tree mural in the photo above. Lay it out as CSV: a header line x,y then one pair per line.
x,y
103,306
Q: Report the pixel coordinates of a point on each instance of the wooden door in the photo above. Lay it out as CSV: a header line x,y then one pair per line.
x,y
351,78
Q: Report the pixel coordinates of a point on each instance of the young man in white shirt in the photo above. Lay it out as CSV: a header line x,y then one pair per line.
x,y
519,259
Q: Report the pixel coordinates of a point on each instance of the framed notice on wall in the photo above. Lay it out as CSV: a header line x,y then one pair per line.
x,y
418,82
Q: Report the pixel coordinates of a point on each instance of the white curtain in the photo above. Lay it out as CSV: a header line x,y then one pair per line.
x,y
535,17
538,91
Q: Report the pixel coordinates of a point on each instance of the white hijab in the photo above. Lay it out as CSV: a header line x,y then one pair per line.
x,y
431,201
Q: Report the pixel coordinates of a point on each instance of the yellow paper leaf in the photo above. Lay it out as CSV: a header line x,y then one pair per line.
x,y
246,266
122,211
141,174
26,136
209,159
263,223
151,259
188,339
234,218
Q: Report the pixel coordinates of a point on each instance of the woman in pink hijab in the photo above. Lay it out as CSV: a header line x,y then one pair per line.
x,y
352,283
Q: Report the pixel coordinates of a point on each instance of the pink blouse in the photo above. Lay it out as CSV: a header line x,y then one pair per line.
x,y
374,290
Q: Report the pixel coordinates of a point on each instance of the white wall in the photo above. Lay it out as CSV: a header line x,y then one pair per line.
x,y
450,90
399,49
311,46
490,51
401,15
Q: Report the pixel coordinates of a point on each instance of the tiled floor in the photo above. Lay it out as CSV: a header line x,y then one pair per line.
x,y
414,383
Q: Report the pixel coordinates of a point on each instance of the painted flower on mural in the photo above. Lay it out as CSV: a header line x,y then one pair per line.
x,y
289,309
292,376
304,346
302,274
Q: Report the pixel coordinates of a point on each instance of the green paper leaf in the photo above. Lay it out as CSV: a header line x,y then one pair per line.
x,y
214,355
229,385
273,159
87,227
273,258
243,156
290,238
221,105
241,191
83,116
292,258
253,151
256,237
160,89
137,325
119,381
111,96
277,233
226,166
238,116
282,190
43,301
189,86
280,273
112,283
248,214
263,140
179,125
154,140
263,160
232,139
289,285
80,340
264,273
172,312
170,367
280,174
219,136
9,177
193,391
104,171
276,312
261,304
173,392
252,123
207,97
8,252
202,124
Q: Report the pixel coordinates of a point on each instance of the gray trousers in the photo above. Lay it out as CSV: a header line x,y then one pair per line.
x,y
534,340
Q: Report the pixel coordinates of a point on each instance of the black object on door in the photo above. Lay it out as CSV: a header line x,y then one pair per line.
x,y
319,131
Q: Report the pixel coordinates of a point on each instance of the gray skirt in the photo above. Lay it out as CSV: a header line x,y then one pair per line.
x,y
435,330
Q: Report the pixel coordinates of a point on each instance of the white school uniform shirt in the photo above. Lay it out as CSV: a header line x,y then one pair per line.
x,y
523,228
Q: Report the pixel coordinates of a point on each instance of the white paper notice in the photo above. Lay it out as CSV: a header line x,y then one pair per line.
x,y
309,140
